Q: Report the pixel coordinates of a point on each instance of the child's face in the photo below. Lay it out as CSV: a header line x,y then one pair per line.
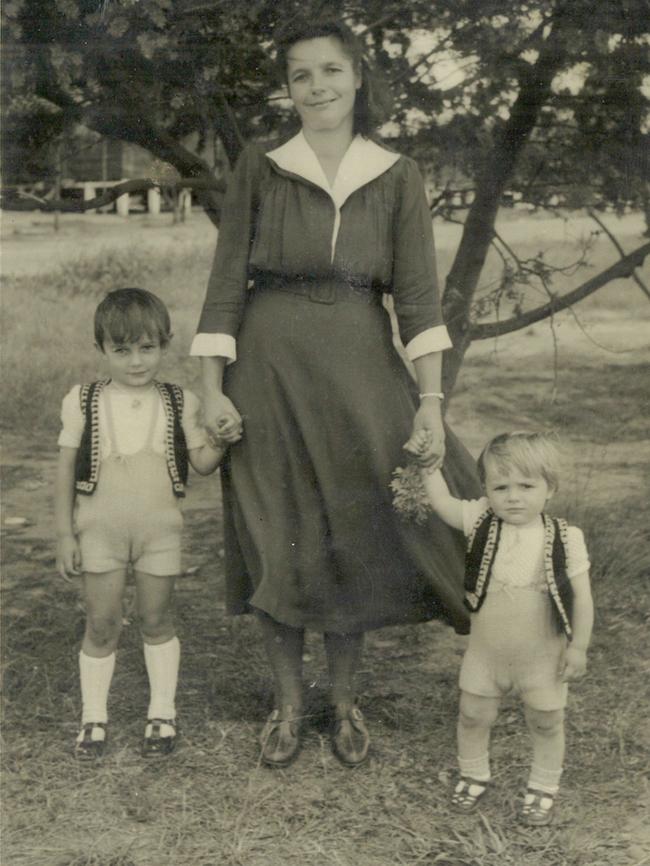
x,y
516,498
134,365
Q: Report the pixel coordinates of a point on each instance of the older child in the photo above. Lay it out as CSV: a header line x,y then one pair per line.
x,y
124,451
527,587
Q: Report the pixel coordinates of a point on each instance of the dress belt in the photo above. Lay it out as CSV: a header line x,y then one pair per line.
x,y
325,290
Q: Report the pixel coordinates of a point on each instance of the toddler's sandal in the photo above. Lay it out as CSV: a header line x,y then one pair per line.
x,y
91,742
468,793
158,743
537,808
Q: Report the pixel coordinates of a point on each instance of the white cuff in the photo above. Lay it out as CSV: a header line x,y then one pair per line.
x,y
432,340
213,345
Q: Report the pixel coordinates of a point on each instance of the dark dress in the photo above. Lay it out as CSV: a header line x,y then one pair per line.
x,y
311,537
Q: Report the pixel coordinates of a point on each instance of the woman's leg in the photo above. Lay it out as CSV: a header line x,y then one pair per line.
x,y
350,739
162,654
343,657
280,737
284,648
103,600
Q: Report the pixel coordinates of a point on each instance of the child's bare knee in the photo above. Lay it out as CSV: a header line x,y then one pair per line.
x,y
544,723
102,629
155,623
477,712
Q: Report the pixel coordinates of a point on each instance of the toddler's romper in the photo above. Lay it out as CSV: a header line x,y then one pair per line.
x,y
133,517
514,643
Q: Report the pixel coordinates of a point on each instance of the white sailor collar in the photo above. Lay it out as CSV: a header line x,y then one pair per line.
x,y
364,160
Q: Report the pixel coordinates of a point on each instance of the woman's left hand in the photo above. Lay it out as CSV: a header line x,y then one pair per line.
x,y
429,434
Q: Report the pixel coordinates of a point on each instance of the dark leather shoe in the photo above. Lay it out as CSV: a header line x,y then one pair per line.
x,y
350,737
154,744
281,737
88,748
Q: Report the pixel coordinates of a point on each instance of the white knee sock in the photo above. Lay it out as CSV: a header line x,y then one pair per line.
x,y
475,768
544,780
95,676
162,661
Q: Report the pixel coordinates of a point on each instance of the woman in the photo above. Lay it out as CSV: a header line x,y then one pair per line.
x,y
322,226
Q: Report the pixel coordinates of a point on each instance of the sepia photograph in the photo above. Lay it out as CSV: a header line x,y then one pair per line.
x,y
325,412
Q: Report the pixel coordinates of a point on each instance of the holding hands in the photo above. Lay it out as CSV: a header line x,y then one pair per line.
x,y
427,442
222,420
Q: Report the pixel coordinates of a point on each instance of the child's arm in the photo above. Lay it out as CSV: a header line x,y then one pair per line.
x,y
206,458
574,664
205,451
68,554
446,506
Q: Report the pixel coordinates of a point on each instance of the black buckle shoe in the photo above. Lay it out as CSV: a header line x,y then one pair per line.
x,y
88,749
154,744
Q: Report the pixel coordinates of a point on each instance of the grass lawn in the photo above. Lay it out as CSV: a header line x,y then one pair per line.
x,y
212,804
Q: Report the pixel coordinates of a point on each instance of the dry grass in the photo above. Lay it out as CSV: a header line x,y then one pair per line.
x,y
48,324
212,804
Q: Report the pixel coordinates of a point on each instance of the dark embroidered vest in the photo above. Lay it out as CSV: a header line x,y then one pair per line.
x,y
482,546
87,463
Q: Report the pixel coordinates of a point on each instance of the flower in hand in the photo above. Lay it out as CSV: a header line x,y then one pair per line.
x,y
410,499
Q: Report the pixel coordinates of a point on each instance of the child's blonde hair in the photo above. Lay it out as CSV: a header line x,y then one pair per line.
x,y
529,453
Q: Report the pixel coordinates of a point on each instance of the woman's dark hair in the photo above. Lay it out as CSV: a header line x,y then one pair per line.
x,y
373,103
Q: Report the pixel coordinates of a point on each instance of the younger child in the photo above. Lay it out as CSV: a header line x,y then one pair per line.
x,y
527,587
124,452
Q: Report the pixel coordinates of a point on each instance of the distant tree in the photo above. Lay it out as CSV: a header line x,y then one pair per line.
x,y
545,99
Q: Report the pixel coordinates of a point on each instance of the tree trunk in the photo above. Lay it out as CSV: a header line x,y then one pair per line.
x,y
478,232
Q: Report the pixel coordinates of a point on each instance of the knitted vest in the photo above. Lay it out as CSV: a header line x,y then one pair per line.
x,y
482,546
87,462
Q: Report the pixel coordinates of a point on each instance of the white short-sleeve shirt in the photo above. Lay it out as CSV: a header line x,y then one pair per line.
x,y
519,560
131,423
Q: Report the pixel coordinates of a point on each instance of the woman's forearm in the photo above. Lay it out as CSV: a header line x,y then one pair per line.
x,y
212,374
428,370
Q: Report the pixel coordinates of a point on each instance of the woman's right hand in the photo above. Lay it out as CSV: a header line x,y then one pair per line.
x,y
222,420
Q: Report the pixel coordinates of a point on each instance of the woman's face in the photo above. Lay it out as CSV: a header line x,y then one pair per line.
x,y
323,83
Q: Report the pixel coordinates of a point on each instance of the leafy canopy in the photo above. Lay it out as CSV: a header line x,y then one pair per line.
x,y
155,71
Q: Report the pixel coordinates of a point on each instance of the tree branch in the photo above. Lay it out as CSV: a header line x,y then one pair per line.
x,y
621,269
637,279
29,201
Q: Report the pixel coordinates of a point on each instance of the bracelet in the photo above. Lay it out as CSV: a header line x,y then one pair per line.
x,y
437,394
